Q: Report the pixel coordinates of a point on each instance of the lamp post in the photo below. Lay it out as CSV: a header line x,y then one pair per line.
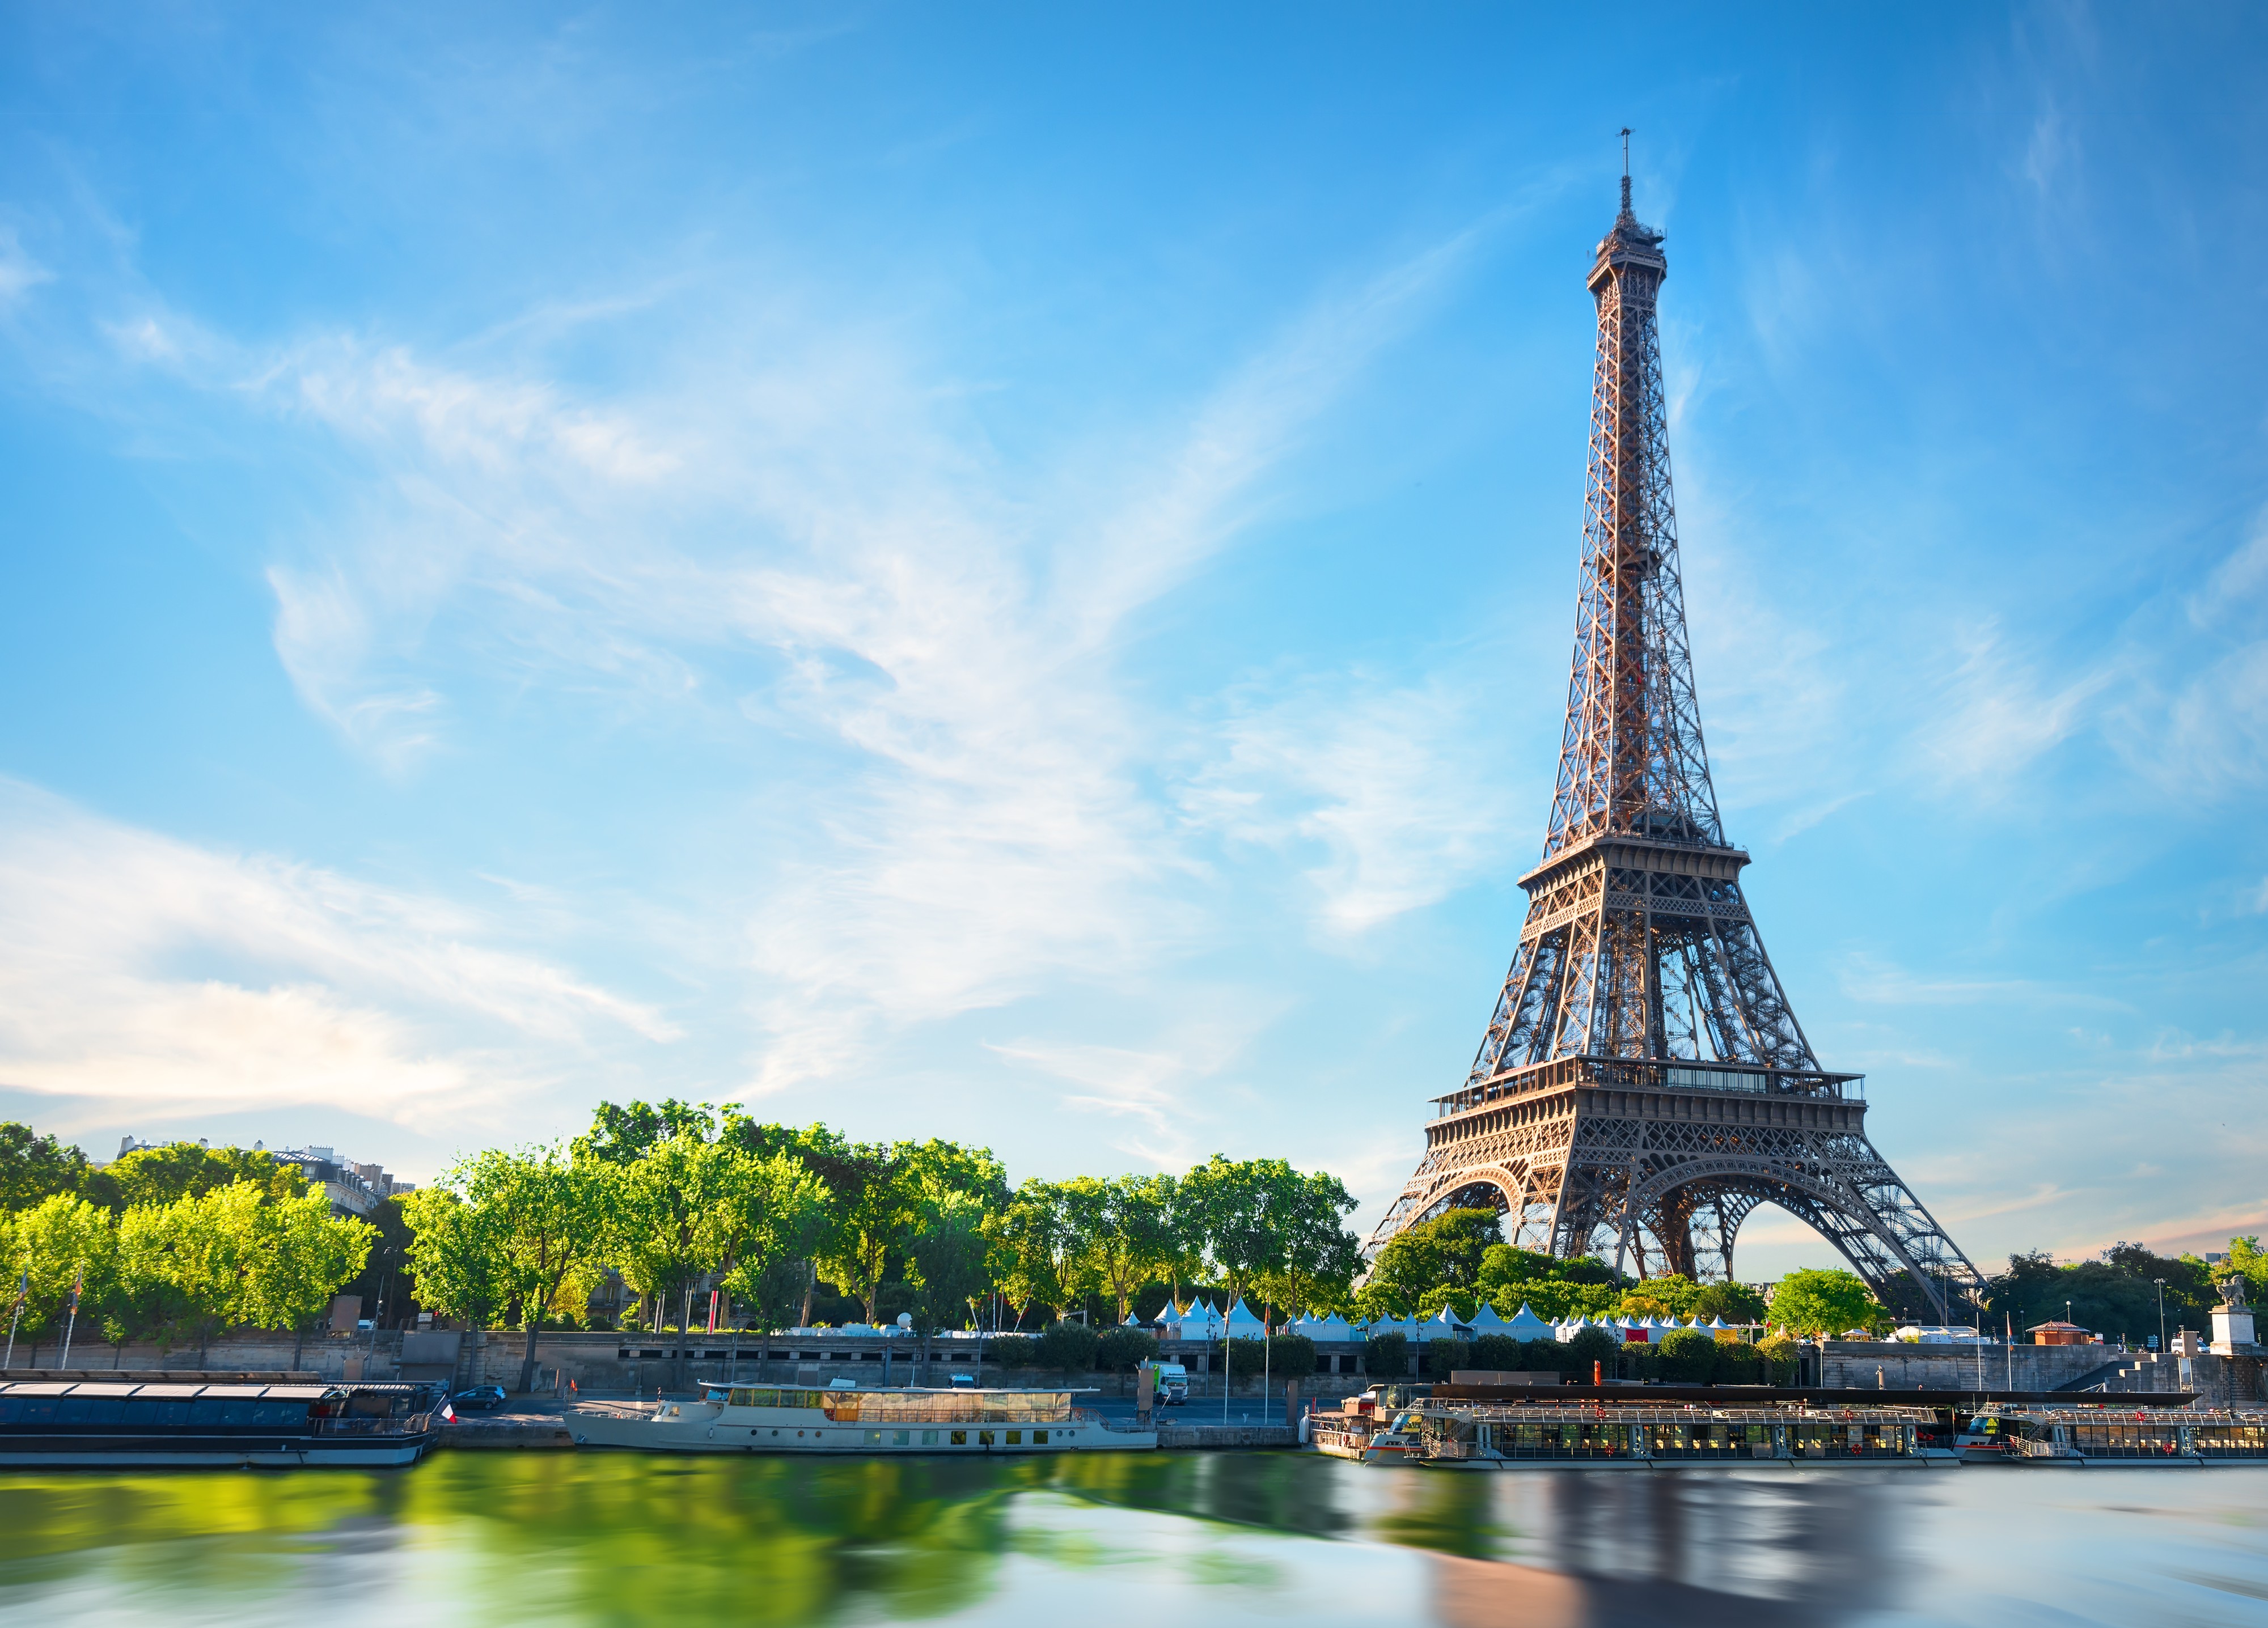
x,y
2161,1283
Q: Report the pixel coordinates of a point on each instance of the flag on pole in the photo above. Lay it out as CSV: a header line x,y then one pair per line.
x,y
712,1310
77,1283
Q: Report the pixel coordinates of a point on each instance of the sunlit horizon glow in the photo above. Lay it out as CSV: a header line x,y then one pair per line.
x,y
1011,579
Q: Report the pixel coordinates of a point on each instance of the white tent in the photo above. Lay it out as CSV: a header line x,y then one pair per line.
x,y
1486,1321
1715,1323
1446,1325
1333,1327
1197,1321
1572,1327
1242,1324
1526,1325
1132,1322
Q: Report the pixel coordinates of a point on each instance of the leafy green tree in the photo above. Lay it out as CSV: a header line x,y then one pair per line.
x,y
299,1255
1778,1354
763,1215
1385,1356
1441,1261
1734,1302
1033,1241
626,1134
949,1265
1119,1228
1689,1357
1318,1257
53,1242
1069,1347
1250,1210
176,1171
545,1220
869,1232
844,1168
1589,1346
34,1168
146,1301
208,1241
1812,1302
456,1261
1121,1349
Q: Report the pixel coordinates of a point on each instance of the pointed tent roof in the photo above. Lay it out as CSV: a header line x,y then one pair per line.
x,y
1447,1317
1485,1319
1527,1325
1240,1317
1339,1327
1132,1322
1716,1322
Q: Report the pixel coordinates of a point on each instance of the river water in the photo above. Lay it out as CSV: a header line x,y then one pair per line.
x,y
1165,1540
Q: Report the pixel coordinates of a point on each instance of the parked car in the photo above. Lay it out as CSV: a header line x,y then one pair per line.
x,y
479,1400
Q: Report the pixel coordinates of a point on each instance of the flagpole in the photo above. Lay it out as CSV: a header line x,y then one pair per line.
x,y
77,1283
23,1289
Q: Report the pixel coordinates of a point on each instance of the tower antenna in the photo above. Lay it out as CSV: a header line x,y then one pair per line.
x,y
1626,197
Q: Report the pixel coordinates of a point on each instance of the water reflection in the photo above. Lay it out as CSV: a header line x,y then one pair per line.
x,y
611,1539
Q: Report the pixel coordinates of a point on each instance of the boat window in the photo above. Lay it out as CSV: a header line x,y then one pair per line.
x,y
1039,1437
902,1438
961,1438
7,1410
929,1437
280,1413
747,1397
1015,1438
36,1411
984,1438
106,1411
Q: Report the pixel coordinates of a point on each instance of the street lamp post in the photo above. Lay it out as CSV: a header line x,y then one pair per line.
x,y
2161,1283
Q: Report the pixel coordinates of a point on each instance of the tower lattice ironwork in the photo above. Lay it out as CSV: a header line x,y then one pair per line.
x,y
1644,1084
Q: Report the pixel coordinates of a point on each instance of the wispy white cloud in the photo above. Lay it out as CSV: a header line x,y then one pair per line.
x,y
140,968
19,273
1393,795
952,627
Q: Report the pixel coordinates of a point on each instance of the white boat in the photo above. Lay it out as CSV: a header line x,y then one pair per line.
x,y
840,1420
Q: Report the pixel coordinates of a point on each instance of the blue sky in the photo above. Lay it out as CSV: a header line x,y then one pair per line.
x,y
1010,576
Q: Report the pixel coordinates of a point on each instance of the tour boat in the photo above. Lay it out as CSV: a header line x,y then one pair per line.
x,y
58,1424
1641,1437
841,1420
2128,1438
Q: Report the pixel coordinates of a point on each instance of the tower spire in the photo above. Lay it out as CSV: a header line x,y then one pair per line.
x,y
1642,1084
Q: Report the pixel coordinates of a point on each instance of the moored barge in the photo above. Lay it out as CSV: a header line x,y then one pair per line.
x,y
61,1424
842,1422
1638,1437
2078,1438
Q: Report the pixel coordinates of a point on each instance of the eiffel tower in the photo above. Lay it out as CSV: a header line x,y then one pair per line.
x,y
1644,1084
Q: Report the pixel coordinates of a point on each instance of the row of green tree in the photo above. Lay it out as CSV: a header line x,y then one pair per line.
x,y
679,1200
1461,1261
167,1246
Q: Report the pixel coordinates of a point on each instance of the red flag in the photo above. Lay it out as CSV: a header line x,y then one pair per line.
x,y
77,1283
712,1310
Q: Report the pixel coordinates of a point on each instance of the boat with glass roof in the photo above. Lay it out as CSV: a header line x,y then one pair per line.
x,y
61,1424
841,1420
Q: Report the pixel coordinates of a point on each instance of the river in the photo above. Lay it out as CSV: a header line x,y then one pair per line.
x,y
1166,1540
